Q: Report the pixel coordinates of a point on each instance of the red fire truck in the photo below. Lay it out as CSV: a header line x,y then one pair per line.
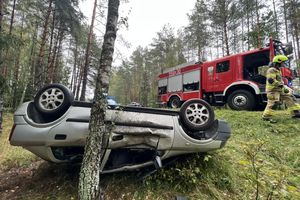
x,y
238,80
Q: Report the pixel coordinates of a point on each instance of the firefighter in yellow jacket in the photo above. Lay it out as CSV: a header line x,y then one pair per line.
x,y
276,91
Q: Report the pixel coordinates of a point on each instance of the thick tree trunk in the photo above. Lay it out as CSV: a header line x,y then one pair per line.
x,y
87,54
1,93
39,67
89,182
1,113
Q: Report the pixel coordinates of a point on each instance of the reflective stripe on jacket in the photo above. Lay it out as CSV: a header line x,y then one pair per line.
x,y
274,74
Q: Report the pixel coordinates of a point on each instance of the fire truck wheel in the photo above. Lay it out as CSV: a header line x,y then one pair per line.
x,y
174,102
241,100
197,115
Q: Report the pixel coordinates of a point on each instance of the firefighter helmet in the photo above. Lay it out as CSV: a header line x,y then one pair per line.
x,y
280,59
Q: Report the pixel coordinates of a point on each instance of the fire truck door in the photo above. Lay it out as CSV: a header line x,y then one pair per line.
x,y
223,75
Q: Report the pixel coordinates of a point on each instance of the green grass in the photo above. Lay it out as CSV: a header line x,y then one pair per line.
x,y
12,156
260,161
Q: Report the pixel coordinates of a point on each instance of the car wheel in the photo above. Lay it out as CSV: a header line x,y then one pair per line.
x,y
53,99
197,115
241,100
174,102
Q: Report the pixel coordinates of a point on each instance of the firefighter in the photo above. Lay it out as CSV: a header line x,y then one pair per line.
x,y
276,91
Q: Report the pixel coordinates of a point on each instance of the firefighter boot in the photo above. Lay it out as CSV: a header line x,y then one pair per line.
x,y
269,119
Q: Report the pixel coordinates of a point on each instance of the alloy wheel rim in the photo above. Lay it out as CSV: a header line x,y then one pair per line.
x,y
51,99
197,114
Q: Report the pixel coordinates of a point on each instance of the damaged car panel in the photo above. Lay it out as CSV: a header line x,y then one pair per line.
x,y
139,137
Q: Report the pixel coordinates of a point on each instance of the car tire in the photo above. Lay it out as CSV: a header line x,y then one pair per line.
x,y
174,102
241,100
197,115
53,99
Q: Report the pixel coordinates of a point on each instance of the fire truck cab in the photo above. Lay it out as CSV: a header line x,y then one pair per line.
x,y
238,80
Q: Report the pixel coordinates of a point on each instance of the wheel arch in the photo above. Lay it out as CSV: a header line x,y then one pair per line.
x,y
174,95
243,85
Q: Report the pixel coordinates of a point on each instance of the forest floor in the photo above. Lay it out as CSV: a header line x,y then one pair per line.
x,y
261,160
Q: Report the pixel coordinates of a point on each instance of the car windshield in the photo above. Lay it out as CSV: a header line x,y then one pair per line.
x,y
111,100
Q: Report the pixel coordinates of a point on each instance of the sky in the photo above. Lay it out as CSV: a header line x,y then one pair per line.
x,y
147,17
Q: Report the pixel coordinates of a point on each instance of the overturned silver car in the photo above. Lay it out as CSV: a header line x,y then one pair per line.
x,y
55,127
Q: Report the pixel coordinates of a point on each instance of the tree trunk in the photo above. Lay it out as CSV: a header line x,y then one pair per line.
x,y
31,61
285,21
56,78
39,67
1,95
89,181
1,14
297,40
258,24
50,47
78,85
75,52
276,20
87,55
17,68
12,18
56,49
248,30
226,38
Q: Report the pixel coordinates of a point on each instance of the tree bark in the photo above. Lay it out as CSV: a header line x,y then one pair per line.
x,y
276,19
248,31
258,24
39,67
12,19
1,95
75,52
87,55
226,38
50,47
56,69
17,68
89,181
53,60
32,60
1,14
